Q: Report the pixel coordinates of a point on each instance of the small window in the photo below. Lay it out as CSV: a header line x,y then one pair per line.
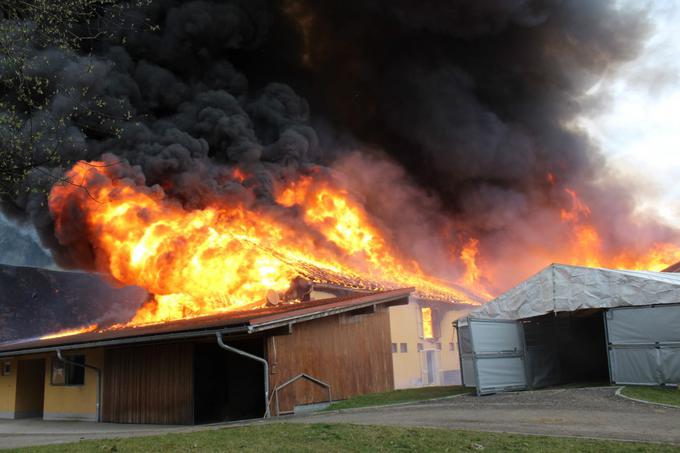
x,y
394,348
438,346
452,347
403,347
66,373
420,347
7,368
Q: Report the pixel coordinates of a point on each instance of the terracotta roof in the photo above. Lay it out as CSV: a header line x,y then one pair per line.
x,y
235,322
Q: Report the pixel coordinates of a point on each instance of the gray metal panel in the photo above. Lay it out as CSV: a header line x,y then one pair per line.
x,y
467,364
464,340
500,373
494,337
469,372
644,324
631,365
498,353
670,364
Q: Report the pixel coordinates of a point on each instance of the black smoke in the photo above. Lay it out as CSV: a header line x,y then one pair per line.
x,y
467,105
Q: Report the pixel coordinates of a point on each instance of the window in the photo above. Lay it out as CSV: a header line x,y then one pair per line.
x,y
66,373
438,346
420,347
394,348
426,313
403,347
452,347
7,368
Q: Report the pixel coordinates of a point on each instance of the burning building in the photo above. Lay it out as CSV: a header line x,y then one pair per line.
x,y
215,151
309,344
240,364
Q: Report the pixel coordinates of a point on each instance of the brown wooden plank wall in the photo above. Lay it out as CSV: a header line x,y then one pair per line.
x,y
150,384
352,353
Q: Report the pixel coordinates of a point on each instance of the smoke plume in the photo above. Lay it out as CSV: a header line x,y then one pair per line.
x,y
449,120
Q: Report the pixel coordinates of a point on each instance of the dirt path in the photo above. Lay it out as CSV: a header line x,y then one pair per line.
x,y
587,412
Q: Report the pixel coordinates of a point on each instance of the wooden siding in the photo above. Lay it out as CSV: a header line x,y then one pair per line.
x,y
352,353
150,384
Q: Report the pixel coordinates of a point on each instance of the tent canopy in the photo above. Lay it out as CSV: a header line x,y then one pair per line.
x,y
562,288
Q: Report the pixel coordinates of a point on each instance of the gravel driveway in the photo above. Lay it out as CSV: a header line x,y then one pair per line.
x,y
585,412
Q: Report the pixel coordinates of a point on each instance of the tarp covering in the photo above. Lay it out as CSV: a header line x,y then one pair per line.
x,y
498,356
644,344
659,324
561,288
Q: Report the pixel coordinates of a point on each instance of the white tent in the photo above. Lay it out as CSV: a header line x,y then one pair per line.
x,y
570,323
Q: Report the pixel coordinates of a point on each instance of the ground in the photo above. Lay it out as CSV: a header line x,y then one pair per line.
x,y
587,412
399,396
316,437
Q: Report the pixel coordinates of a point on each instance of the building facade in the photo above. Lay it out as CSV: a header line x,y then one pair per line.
x,y
180,373
424,344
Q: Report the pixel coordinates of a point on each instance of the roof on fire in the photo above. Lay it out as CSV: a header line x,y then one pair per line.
x,y
235,322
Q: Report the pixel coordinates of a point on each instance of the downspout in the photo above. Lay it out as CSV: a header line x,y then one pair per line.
x,y
99,379
253,357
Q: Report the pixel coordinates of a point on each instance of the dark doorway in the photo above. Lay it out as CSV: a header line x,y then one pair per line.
x,y
564,348
228,386
30,394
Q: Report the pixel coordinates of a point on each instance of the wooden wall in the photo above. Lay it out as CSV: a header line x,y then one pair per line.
x,y
149,384
350,352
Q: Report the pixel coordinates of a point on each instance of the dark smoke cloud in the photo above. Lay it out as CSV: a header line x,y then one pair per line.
x,y
469,102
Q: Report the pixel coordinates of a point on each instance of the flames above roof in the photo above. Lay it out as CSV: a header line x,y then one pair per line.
x,y
226,255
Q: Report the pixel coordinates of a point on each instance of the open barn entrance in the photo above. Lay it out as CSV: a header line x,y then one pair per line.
x,y
565,348
228,386
552,349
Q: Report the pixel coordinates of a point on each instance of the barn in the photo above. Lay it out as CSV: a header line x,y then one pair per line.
x,y
235,365
570,324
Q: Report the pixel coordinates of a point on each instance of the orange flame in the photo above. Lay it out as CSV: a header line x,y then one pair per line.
x,y
227,256
586,246
428,329
69,332
472,278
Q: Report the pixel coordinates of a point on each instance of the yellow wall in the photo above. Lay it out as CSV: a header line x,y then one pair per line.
x,y
8,390
410,368
73,402
449,359
404,328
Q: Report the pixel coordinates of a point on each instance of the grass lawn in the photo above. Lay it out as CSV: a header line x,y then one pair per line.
x,y
654,394
289,437
399,396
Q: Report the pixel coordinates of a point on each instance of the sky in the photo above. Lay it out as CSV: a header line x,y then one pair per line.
x,y
639,127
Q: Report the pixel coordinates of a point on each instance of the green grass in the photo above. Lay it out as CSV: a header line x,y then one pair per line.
x,y
654,394
399,396
289,437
